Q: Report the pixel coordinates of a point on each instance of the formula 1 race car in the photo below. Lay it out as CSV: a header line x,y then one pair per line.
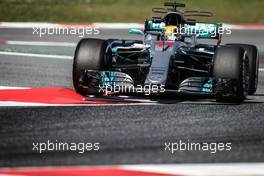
x,y
168,59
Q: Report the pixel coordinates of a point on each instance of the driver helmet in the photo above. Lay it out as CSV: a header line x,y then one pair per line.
x,y
171,32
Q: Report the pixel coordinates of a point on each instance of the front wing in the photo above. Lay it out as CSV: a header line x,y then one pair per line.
x,y
114,82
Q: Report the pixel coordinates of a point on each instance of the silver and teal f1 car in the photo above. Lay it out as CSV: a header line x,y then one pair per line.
x,y
169,58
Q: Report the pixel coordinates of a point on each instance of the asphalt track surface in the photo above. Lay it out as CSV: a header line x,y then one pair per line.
x,y
127,134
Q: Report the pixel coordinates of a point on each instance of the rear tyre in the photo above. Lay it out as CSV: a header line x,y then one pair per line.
x,y
253,60
90,54
231,71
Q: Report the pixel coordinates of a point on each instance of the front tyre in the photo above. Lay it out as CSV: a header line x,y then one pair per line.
x,y
231,71
90,54
253,59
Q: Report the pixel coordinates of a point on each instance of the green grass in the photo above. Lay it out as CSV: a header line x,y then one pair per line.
x,y
86,11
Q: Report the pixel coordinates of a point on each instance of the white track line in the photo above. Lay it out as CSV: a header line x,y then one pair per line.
x,y
12,88
28,25
224,169
35,55
33,43
234,169
23,104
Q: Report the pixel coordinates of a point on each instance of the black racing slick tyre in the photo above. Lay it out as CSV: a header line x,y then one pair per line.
x,y
253,60
230,68
90,54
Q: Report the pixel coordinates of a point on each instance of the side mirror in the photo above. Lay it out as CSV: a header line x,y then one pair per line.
x,y
136,32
